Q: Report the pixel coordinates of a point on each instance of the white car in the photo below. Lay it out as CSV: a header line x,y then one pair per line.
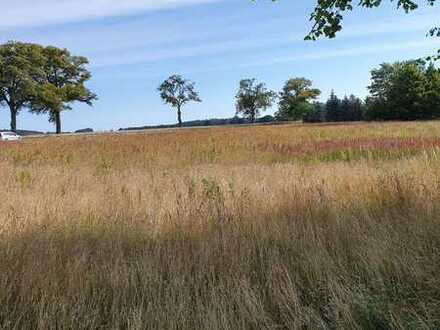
x,y
9,136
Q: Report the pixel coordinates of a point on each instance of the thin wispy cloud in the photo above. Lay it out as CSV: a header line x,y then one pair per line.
x,y
143,40
408,23
24,13
219,48
378,48
230,40
424,46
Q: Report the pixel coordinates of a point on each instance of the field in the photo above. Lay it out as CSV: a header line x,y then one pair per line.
x,y
270,227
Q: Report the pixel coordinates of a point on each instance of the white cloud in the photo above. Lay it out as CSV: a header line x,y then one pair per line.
x,y
204,48
19,13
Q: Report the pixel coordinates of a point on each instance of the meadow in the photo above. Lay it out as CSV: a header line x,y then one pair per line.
x,y
261,227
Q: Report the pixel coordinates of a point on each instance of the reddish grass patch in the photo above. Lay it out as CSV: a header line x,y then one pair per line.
x,y
361,144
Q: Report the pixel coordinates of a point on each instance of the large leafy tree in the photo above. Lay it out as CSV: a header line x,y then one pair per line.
x,y
178,91
432,90
20,65
62,83
252,98
295,98
404,90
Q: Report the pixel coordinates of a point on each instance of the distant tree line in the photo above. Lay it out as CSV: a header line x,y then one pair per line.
x,y
44,80
47,80
407,90
350,108
296,101
206,122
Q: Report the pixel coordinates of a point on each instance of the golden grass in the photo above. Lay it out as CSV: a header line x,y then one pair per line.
x,y
223,228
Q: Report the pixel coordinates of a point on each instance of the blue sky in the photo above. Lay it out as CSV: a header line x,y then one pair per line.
x,y
133,45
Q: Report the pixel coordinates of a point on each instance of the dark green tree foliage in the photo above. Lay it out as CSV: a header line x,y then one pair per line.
x,y
345,109
19,68
252,98
178,91
352,109
432,90
295,99
404,91
333,108
62,83
317,114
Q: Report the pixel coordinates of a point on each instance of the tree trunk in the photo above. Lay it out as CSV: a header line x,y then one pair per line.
x,y
13,120
179,116
58,122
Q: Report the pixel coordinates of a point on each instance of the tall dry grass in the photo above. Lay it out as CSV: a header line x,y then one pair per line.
x,y
287,227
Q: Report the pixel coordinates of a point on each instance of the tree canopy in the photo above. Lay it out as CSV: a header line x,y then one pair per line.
x,y
328,15
61,83
43,79
178,91
295,98
252,98
404,90
20,66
